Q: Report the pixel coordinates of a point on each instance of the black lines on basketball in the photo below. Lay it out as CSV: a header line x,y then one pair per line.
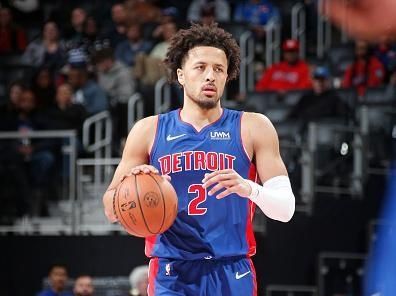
x,y
163,202
140,206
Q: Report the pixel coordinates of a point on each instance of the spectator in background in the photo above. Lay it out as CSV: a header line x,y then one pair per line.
x,y
117,81
320,102
66,114
15,91
221,10
168,30
75,32
115,32
43,87
85,90
292,73
257,13
57,279
385,51
127,50
390,92
12,38
91,36
83,286
142,11
138,279
49,51
365,71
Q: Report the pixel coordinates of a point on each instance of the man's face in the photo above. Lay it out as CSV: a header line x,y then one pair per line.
x,y
105,65
291,56
27,101
203,75
58,278
83,286
133,33
361,49
78,17
74,78
64,94
118,14
320,85
50,31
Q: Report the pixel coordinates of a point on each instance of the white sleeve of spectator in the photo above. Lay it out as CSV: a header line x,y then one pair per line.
x,y
275,198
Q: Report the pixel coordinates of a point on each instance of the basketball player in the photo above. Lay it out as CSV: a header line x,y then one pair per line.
x,y
208,152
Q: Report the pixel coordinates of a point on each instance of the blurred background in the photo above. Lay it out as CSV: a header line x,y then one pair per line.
x,y
76,75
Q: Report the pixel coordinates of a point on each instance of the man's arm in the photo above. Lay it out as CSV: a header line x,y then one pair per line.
x,y
275,198
136,153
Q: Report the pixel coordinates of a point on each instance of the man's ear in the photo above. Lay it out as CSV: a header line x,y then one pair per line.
x,y
180,76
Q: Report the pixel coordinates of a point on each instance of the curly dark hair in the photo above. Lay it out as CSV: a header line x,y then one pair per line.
x,y
202,35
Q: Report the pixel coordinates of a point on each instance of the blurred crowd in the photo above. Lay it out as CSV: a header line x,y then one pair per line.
x,y
58,283
63,62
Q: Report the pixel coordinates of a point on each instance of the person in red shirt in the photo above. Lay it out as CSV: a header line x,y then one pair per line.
x,y
12,39
292,73
365,71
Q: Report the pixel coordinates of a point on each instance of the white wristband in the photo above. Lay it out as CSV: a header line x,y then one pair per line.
x,y
275,198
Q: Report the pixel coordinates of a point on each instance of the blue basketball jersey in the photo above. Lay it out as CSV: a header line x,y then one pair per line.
x,y
205,227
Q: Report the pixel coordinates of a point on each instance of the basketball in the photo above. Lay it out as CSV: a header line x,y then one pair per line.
x,y
145,204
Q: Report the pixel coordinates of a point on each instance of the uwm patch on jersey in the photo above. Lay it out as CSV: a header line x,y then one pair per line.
x,y
205,227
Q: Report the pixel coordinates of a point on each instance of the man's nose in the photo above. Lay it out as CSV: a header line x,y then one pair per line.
x,y
210,75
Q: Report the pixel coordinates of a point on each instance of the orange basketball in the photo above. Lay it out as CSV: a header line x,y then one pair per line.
x,y
145,204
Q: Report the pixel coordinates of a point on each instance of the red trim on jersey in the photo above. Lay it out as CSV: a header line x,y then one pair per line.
x,y
155,138
254,277
240,136
150,242
152,274
249,223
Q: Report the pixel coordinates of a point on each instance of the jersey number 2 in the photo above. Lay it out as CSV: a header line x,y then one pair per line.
x,y
193,206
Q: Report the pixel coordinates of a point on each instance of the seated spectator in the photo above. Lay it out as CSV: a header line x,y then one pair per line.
x,y
12,38
90,35
385,51
49,51
74,33
127,50
86,91
43,87
257,13
292,73
390,92
83,286
116,30
198,8
15,91
320,102
365,71
168,30
117,81
38,154
142,11
66,114
57,279
138,279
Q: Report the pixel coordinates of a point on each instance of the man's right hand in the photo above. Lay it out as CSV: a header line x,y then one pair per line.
x,y
109,194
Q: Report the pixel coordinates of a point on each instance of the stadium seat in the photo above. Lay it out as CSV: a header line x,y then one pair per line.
x,y
259,101
377,95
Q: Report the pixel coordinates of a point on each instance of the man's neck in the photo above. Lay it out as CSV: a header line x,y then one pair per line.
x,y
199,117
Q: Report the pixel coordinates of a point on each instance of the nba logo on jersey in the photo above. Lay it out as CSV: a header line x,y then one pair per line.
x,y
167,269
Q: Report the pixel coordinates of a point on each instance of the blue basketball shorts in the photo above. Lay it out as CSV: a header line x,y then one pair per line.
x,y
228,276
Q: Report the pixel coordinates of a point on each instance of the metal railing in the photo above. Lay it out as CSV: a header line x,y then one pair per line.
x,y
246,78
343,258
273,41
162,97
324,32
309,167
68,148
89,197
135,109
298,26
100,142
291,290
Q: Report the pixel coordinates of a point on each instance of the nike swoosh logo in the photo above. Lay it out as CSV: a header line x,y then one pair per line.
x,y
170,138
239,276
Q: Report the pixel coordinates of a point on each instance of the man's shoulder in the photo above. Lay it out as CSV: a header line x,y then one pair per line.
x,y
255,120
